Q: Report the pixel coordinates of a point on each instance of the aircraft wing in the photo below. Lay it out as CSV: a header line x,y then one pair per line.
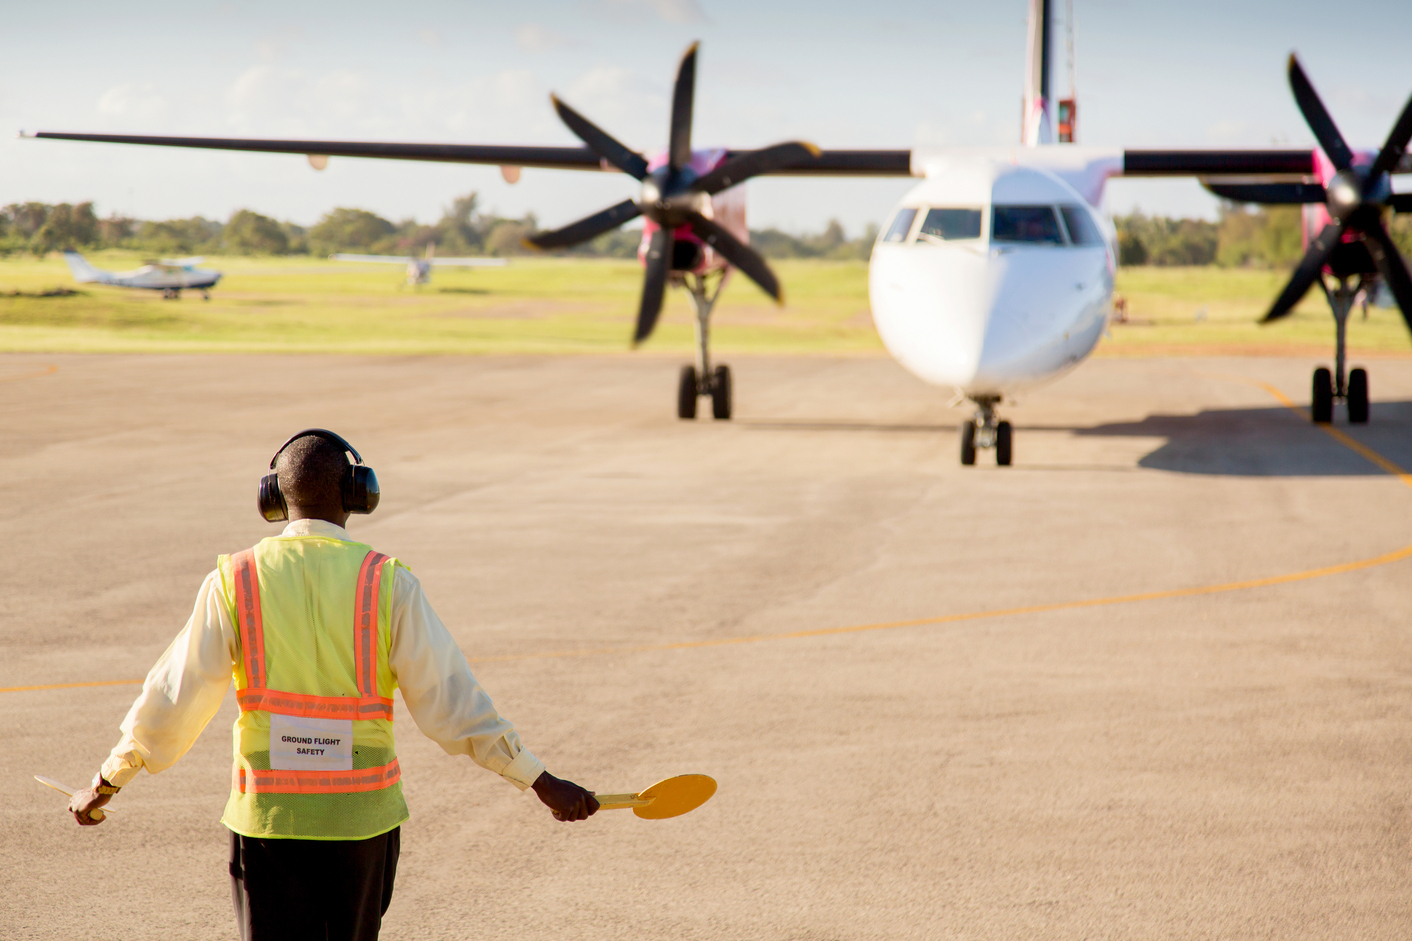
x,y
378,259
467,262
827,163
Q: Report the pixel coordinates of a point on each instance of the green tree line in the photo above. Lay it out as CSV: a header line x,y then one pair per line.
x,y
1242,236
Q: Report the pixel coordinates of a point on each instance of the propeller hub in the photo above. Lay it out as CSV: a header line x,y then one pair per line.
x,y
1345,194
667,198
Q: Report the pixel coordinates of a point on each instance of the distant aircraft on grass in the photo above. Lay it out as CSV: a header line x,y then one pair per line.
x,y
170,275
994,274
419,269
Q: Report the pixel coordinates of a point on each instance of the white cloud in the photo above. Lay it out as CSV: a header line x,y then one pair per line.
x,y
532,37
430,37
673,11
623,103
134,102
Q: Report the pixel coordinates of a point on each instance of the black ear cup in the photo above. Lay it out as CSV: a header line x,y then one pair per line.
x,y
360,489
271,501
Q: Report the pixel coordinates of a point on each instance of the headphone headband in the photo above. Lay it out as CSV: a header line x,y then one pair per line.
x,y
321,433
359,485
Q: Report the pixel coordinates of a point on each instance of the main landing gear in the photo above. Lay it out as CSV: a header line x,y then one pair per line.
x,y
1328,386
702,380
985,431
171,294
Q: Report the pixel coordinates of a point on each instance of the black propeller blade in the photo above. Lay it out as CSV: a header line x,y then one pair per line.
x,y
739,169
1317,117
1391,267
601,142
683,95
1396,144
1268,193
1309,270
585,229
739,254
654,285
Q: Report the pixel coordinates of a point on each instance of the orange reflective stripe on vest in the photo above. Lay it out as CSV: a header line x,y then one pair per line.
x,y
249,780
247,605
256,697
365,625
314,707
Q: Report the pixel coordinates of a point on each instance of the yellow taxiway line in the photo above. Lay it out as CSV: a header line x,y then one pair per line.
x,y
46,371
1357,447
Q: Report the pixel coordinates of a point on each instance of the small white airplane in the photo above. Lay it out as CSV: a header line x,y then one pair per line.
x,y
992,276
419,269
170,275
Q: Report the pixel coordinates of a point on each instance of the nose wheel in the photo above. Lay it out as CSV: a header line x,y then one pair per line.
x,y
986,431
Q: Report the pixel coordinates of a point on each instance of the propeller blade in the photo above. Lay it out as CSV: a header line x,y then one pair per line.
x,y
601,142
1401,202
654,285
585,229
1391,267
1396,144
1311,266
1318,118
767,160
1268,193
1309,270
739,254
679,140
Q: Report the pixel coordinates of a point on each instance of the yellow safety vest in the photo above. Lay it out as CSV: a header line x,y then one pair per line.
x,y
314,752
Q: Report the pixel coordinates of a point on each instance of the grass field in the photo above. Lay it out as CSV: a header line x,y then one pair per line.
x,y
587,305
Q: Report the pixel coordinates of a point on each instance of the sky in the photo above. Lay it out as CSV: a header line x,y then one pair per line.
x,y
1196,73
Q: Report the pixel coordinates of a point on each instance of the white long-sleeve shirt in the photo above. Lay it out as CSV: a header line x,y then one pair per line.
x,y
184,690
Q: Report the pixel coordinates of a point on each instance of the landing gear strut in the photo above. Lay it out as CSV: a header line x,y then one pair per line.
x,y
1328,386
701,379
985,431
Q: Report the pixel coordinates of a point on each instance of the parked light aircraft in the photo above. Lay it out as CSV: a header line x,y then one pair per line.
x,y
170,275
993,275
419,269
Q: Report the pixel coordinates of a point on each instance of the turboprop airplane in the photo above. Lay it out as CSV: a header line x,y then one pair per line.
x,y
994,275
419,269
170,275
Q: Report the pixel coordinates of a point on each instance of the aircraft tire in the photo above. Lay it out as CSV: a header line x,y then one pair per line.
x,y
968,443
1321,407
1003,439
1358,397
721,393
686,393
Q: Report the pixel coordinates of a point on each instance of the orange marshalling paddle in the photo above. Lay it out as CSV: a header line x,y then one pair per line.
x,y
670,798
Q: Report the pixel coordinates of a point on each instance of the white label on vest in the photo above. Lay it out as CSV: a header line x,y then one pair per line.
x,y
300,744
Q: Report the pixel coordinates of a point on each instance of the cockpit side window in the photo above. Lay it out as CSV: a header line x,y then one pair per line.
x,y
1082,231
901,225
951,224
1031,224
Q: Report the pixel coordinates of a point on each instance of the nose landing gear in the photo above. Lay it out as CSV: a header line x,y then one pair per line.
x,y
701,379
985,431
1329,386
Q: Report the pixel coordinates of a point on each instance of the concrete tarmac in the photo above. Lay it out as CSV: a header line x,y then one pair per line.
x,y
1224,764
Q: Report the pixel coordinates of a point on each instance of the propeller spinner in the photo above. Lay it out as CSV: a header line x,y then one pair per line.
x,y
674,197
1356,197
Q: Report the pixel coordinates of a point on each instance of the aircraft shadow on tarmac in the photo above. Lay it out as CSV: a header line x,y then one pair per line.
x,y
1242,442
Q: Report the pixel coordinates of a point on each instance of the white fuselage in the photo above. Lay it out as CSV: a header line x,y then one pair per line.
x,y
992,277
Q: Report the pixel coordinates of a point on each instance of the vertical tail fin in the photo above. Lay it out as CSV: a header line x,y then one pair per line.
x,y
1038,118
83,272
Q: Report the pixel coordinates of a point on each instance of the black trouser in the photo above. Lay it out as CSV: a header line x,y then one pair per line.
x,y
312,890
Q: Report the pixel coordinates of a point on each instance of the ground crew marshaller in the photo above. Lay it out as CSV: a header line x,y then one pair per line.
x,y
317,630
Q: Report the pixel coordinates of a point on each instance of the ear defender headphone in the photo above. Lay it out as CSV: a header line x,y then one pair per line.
x,y
360,484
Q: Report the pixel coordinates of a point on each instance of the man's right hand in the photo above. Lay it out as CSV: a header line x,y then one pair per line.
x,y
84,802
566,799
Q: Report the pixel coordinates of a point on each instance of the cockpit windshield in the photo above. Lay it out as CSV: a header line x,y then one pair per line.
x,y
951,224
1031,224
1082,231
901,225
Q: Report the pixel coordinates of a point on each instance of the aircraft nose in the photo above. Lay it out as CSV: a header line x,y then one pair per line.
x,y
931,306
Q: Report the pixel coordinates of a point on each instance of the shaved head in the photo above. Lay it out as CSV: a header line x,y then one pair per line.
x,y
311,472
